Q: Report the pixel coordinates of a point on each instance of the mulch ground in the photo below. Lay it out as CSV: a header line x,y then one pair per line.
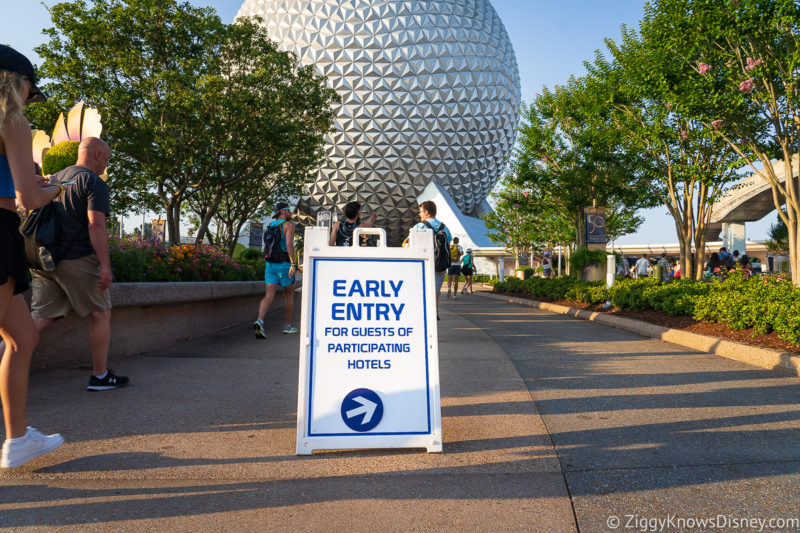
x,y
687,323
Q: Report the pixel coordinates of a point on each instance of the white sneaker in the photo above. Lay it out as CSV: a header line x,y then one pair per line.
x,y
28,448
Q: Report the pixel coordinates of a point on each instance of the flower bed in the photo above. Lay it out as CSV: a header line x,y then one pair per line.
x,y
764,303
141,260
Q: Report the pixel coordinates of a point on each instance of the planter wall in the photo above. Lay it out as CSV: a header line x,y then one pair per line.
x,y
146,316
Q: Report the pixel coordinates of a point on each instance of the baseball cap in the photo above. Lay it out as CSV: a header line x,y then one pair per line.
x,y
13,61
469,250
278,207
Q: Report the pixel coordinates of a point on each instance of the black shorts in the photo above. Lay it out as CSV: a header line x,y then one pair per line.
x,y
454,270
467,271
12,252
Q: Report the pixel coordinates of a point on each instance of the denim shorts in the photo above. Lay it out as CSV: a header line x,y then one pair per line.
x,y
278,274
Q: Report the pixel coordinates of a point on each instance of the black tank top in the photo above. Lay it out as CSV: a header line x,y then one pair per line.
x,y
344,235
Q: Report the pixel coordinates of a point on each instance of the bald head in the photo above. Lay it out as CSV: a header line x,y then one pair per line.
x,y
93,153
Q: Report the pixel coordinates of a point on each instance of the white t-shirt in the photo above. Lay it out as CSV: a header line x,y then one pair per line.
x,y
642,265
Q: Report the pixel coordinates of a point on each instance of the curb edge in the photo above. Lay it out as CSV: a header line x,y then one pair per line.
x,y
783,362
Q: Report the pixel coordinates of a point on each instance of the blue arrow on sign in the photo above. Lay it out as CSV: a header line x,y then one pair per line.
x,y
362,410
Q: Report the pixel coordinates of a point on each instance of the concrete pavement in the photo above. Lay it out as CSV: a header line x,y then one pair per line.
x,y
549,423
648,430
204,439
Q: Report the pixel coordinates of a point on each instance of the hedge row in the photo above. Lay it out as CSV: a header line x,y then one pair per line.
x,y
764,303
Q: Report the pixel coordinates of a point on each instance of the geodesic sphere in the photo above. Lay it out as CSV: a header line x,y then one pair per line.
x,y
430,91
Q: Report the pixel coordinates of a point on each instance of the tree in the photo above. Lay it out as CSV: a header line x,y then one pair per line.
x,y
518,222
187,102
568,152
687,166
510,227
137,62
267,121
237,204
746,62
778,236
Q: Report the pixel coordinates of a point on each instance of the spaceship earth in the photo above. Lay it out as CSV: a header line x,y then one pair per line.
x,y
430,91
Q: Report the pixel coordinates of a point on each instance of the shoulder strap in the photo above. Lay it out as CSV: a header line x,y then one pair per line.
x,y
440,228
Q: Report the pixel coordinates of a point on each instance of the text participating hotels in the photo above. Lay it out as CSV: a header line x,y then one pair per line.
x,y
362,303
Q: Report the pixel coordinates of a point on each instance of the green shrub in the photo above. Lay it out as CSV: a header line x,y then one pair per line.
x,y
675,297
764,303
628,294
238,249
60,156
587,292
250,254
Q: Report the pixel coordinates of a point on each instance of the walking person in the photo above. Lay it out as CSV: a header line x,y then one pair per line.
x,y
427,215
643,267
17,180
468,269
342,231
82,277
665,265
547,269
454,270
280,268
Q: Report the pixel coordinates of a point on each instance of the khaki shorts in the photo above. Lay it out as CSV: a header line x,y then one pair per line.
x,y
72,285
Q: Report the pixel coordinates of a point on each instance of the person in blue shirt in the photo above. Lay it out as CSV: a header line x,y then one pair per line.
x,y
468,269
427,213
18,332
279,273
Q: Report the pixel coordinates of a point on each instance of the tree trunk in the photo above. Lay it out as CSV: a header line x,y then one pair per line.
x,y
698,265
206,221
794,249
568,266
174,222
580,230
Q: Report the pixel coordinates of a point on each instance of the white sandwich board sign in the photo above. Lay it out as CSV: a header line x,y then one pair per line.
x,y
369,360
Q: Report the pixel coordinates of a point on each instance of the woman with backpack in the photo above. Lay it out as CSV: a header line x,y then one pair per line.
x,y
17,180
342,232
468,269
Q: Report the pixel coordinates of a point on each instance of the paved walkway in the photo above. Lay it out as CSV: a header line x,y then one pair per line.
x,y
550,424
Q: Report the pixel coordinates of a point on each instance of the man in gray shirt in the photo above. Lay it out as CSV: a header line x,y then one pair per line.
x,y
642,266
82,277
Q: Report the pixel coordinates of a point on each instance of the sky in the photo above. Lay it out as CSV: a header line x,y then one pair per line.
x,y
551,39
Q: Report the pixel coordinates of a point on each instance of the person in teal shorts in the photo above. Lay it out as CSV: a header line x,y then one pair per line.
x,y
280,268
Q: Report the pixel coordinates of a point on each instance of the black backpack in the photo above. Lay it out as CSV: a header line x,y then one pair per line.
x,y
272,244
441,248
41,229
